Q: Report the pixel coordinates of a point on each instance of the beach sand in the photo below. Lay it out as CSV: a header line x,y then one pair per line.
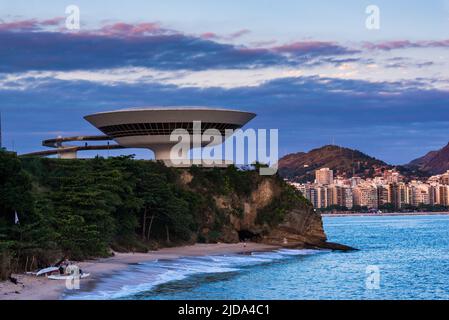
x,y
31,287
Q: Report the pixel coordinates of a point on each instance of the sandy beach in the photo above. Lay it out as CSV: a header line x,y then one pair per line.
x,y
31,287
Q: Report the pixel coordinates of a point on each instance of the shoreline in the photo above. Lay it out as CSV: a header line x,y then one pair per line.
x,y
385,214
31,287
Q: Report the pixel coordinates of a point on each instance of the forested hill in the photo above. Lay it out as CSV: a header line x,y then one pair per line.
x,y
344,161
85,208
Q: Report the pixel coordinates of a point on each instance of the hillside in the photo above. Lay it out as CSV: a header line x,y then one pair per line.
x,y
344,161
434,162
85,208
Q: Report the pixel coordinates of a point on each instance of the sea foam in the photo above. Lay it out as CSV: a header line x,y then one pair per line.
x,y
147,276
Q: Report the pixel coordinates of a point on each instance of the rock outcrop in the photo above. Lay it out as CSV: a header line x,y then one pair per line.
x,y
273,213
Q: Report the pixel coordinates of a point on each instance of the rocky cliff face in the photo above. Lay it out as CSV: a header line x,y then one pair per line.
x,y
273,213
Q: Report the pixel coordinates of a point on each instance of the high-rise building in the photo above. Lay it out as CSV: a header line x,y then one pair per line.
x,y
445,178
365,195
341,196
392,176
398,194
444,195
355,181
349,198
324,176
440,178
419,193
324,196
376,192
338,195
382,194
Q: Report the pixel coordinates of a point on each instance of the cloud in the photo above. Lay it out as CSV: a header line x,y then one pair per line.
x,y
314,48
405,65
62,51
229,37
209,35
406,44
50,78
239,33
32,47
308,111
30,24
121,29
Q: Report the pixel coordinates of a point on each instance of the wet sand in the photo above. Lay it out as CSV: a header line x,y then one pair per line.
x,y
31,287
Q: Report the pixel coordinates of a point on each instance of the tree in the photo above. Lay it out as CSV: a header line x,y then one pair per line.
x,y
388,207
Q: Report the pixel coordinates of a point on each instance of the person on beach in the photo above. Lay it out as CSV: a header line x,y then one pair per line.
x,y
63,265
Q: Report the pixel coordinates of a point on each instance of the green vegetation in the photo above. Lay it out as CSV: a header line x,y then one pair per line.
x,y
289,199
334,208
85,208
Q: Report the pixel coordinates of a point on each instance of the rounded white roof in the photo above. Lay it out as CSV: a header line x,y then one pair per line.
x,y
169,114
164,108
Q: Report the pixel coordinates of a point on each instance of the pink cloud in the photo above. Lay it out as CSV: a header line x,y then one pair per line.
x,y
53,21
29,24
23,25
389,45
127,29
209,35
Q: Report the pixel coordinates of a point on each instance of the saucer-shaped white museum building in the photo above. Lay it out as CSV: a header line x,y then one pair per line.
x,y
149,127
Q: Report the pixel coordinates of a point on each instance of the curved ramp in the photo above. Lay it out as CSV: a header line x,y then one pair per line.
x,y
70,152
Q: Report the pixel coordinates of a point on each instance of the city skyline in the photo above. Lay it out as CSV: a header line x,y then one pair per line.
x,y
312,70
388,191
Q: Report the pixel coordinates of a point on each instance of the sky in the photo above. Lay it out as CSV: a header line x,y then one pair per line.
x,y
312,69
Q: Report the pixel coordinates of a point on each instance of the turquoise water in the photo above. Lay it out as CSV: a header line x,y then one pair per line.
x,y
411,255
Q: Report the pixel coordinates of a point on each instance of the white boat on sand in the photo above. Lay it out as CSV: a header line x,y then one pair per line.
x,y
46,271
69,276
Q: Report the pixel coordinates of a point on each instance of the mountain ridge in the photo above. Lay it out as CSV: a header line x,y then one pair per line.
x,y
345,162
434,162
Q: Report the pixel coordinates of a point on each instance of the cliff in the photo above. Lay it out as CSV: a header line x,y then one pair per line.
x,y
272,212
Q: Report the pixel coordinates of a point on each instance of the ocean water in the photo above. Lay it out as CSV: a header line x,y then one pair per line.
x,y
400,257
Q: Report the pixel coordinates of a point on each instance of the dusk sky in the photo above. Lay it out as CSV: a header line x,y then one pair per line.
x,y
309,68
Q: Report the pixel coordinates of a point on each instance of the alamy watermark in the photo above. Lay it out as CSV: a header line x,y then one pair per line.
x,y
72,21
211,147
372,281
372,22
72,281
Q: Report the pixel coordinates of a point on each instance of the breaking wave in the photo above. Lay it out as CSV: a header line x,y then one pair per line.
x,y
147,276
